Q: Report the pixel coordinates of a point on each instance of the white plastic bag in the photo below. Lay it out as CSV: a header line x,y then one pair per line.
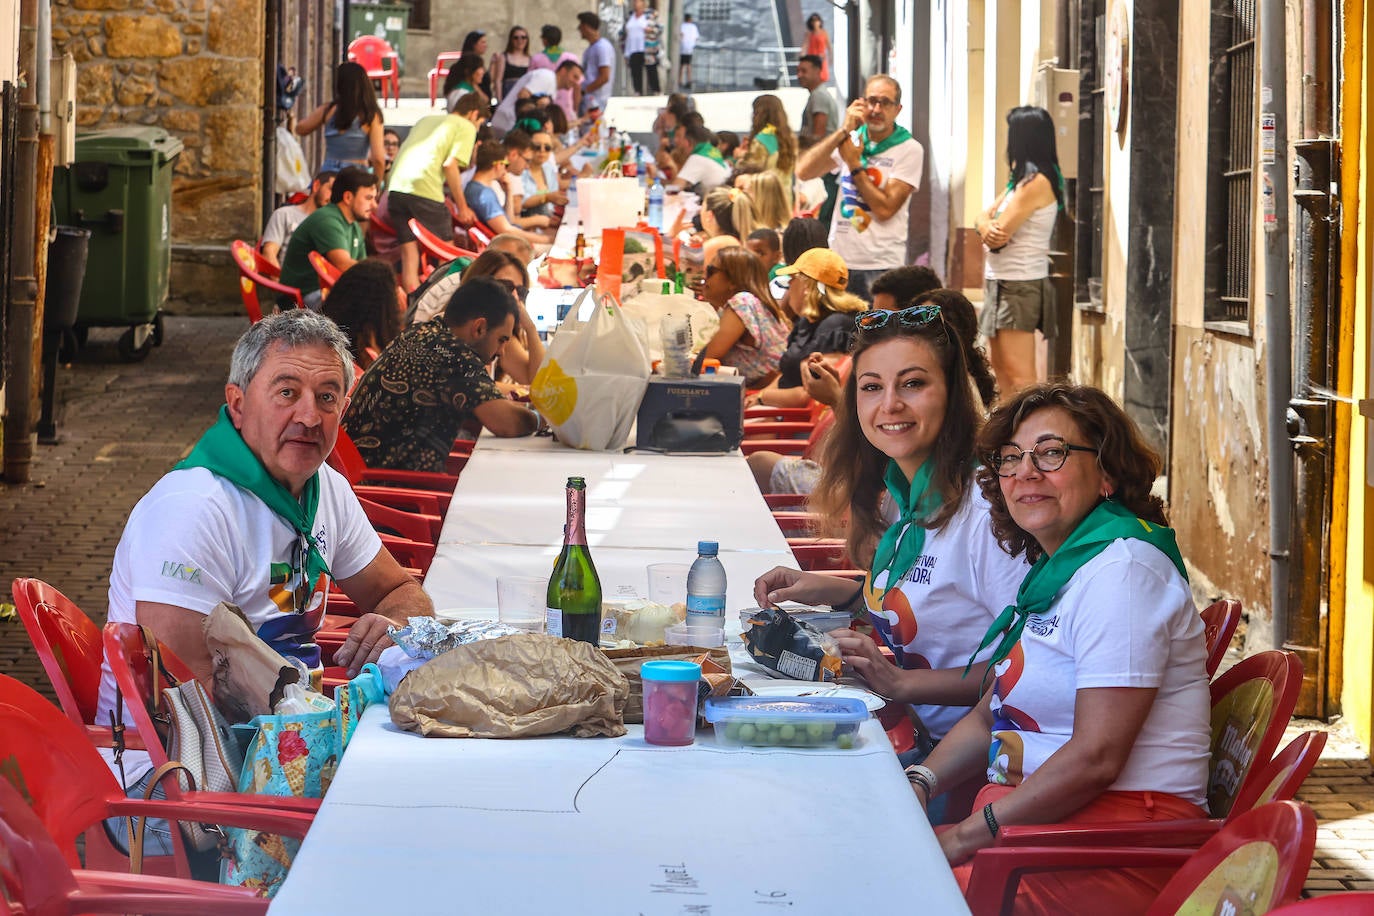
x,y
607,203
592,379
292,173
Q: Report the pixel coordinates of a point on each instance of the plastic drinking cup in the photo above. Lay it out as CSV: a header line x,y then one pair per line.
x,y
668,583
521,600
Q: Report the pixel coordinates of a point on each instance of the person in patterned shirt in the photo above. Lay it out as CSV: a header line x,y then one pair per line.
x,y
409,406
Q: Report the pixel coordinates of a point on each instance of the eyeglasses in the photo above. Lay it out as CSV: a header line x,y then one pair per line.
x,y
877,101
712,271
516,290
521,37
917,316
1048,455
542,148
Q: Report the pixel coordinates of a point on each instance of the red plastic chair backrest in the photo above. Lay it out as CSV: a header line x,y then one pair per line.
x,y
1219,622
54,766
347,460
67,643
327,272
1257,862
1280,778
33,874
481,236
1251,704
823,424
256,271
131,664
368,51
380,225
435,246
390,520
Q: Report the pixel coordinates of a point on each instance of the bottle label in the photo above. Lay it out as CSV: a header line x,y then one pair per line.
x,y
705,610
553,621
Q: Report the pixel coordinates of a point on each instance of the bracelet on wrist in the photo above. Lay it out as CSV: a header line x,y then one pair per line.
x,y
991,820
925,777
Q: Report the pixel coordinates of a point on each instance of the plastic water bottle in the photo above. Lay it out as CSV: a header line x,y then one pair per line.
x,y
656,205
706,588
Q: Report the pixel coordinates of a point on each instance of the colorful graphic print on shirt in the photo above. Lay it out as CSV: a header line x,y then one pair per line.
x,y
1006,755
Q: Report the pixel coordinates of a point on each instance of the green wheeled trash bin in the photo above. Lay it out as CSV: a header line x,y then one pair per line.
x,y
120,188
384,20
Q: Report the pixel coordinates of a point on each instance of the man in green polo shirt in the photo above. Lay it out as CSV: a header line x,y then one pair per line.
x,y
434,155
334,230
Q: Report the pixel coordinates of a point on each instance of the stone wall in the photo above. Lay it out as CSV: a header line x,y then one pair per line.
x,y
192,67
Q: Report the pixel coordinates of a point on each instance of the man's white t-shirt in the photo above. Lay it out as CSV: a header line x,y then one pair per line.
x,y
538,82
196,539
1125,619
865,242
704,173
944,604
282,223
689,35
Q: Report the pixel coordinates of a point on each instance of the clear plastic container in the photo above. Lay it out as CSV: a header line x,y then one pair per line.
x,y
680,634
670,701
830,722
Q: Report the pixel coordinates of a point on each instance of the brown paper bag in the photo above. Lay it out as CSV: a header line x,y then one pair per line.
x,y
513,687
627,662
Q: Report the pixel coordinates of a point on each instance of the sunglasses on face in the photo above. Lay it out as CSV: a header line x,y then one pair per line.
x,y
1048,455
915,317
518,291
542,148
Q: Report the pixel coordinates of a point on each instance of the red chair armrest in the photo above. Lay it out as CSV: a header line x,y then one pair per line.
x,y
416,480
778,429
1190,834
191,806
430,502
777,413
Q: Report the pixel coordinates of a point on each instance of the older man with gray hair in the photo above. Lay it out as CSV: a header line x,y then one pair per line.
x,y
252,517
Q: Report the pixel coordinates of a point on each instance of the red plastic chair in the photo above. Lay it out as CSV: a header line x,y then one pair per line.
x,y
327,272
416,526
755,433
438,249
418,491
1219,622
72,791
1350,903
381,62
376,224
481,235
252,276
68,644
36,879
1251,705
1261,858
439,72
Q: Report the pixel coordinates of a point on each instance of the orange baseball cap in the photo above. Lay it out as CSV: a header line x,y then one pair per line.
x,y
822,265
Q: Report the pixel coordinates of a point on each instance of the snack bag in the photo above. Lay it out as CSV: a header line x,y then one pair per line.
x,y
790,647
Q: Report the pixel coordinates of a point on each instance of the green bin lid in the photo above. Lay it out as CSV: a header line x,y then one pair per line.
x,y
128,146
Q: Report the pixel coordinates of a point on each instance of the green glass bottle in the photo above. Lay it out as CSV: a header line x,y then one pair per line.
x,y
574,596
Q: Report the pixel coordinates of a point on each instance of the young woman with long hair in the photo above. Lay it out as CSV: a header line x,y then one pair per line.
x,y
352,123
898,480
772,143
772,209
753,328
1018,298
513,62
727,218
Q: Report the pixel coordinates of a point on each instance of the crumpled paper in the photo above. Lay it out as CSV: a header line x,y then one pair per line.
x,y
514,686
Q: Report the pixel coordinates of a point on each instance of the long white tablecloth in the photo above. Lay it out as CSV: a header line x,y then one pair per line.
x,y
615,826
508,511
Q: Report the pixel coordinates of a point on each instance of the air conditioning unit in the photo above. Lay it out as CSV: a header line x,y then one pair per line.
x,y
1056,91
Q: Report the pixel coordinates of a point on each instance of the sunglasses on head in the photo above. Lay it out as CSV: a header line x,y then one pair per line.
x,y
916,316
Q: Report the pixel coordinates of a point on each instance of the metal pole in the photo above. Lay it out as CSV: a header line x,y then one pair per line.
x,y
24,287
1274,197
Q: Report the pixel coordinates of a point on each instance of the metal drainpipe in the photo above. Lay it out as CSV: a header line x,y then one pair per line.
x,y
1278,322
269,106
19,425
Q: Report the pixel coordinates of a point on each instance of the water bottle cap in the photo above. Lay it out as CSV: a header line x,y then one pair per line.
x,y
708,548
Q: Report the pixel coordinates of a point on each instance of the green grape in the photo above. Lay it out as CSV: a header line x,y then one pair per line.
x,y
746,732
786,732
845,742
815,730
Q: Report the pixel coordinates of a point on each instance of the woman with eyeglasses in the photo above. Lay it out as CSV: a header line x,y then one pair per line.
x,y
753,329
1018,297
898,476
514,62
522,354
543,190
823,322
1099,708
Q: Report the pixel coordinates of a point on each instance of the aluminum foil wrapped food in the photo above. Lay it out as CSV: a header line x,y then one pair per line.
x,y
427,637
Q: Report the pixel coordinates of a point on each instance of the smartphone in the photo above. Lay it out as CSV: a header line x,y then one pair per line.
x,y
815,373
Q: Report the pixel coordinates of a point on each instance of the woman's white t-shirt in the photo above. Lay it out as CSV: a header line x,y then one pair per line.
x,y
1125,619
634,33
945,603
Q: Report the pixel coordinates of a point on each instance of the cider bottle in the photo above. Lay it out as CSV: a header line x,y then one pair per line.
x,y
574,595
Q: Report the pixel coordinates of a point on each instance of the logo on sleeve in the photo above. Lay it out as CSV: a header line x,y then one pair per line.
x,y
173,570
